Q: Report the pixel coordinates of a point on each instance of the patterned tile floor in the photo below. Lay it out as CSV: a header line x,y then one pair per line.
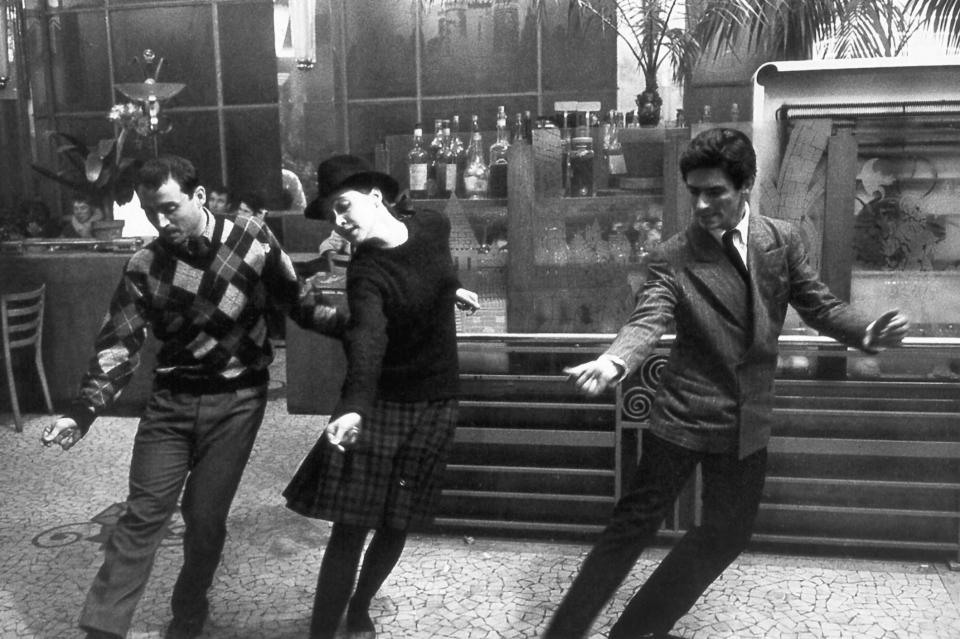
x,y
56,507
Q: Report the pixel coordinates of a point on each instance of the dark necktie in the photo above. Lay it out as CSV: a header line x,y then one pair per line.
x,y
733,254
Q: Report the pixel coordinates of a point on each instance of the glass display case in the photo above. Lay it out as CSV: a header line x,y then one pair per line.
x,y
863,157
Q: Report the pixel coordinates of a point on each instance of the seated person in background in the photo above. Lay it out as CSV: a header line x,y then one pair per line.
x,y
218,199
251,205
335,248
85,213
37,220
293,196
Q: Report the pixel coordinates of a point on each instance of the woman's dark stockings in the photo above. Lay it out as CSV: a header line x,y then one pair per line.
x,y
338,570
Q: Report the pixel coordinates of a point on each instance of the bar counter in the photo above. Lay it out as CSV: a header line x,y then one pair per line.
x,y
79,287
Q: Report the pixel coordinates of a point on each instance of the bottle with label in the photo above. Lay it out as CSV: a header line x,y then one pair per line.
x,y
446,164
435,149
475,175
497,186
418,161
581,166
456,154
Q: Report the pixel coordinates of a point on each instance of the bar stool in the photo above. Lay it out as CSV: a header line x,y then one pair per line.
x,y
21,315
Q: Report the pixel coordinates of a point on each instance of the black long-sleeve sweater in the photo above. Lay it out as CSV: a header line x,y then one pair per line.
x,y
401,339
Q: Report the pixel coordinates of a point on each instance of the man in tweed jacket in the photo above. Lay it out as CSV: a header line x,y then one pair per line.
x,y
202,288
723,285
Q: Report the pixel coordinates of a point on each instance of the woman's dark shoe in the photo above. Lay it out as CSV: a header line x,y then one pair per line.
x,y
360,625
183,629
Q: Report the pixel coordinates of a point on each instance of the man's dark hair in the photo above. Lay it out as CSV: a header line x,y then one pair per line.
x,y
721,148
155,172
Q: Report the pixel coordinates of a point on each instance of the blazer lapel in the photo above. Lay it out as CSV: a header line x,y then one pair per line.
x,y
765,264
719,276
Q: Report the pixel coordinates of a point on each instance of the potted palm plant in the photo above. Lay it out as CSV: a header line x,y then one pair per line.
x,y
649,30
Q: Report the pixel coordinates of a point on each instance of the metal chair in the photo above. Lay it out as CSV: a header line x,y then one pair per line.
x,y
21,315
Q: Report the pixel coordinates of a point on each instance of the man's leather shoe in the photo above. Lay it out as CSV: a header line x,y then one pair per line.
x,y
183,629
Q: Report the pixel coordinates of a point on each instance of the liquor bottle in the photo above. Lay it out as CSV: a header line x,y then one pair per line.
x,y
706,115
457,155
418,160
498,158
612,149
435,149
475,175
517,129
446,165
565,152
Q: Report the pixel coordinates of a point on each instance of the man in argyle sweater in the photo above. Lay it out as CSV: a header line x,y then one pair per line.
x,y
202,288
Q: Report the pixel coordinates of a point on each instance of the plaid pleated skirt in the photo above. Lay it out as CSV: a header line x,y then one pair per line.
x,y
390,478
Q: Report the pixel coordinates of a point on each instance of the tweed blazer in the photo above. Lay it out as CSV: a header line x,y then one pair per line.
x,y
721,367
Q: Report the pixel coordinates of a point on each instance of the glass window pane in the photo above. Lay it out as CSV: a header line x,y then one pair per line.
x,y
195,136
253,153
77,61
182,36
580,57
248,58
370,124
479,49
380,49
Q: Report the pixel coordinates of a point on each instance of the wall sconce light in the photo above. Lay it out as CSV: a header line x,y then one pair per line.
x,y
150,93
303,32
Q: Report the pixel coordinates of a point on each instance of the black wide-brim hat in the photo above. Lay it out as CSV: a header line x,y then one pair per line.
x,y
342,172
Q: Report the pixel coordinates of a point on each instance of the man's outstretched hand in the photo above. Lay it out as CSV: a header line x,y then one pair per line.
x,y
887,330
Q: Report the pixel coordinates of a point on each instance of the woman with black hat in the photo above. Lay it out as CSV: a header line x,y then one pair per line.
x,y
379,462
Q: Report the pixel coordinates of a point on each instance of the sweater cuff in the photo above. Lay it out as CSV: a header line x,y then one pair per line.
x,y
81,413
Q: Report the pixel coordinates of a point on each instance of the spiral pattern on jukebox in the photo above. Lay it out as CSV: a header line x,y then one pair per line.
x,y
637,403
651,369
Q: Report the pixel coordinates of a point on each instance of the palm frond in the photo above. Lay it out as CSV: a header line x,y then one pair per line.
x,y
943,16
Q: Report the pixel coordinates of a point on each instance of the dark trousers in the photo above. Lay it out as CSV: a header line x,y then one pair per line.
x,y
731,496
196,443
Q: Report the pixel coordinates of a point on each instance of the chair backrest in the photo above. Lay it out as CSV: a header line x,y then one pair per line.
x,y
22,318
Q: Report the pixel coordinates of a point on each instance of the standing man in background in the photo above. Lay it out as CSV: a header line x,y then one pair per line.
x,y
723,286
